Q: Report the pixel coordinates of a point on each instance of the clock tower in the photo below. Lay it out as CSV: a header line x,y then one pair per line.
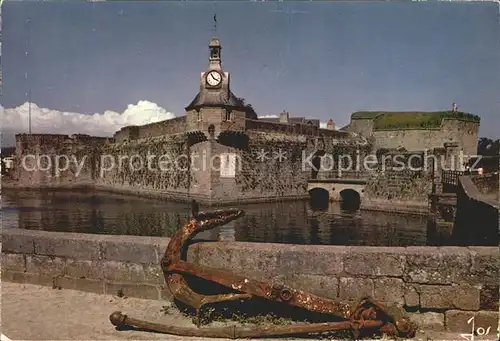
x,y
216,108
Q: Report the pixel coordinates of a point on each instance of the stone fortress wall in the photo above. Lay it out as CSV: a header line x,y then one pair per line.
x,y
118,164
254,180
462,129
38,154
167,127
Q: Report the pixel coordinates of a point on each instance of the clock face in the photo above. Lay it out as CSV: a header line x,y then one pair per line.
x,y
214,78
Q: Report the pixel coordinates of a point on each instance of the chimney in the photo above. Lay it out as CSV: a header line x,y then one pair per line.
x,y
330,125
284,117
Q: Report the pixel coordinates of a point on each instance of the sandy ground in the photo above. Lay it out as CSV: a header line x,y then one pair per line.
x,y
31,312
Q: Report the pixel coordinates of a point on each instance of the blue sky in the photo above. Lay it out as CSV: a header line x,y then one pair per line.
x,y
315,59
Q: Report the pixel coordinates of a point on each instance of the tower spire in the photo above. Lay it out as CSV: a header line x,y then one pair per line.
x,y
215,19
215,23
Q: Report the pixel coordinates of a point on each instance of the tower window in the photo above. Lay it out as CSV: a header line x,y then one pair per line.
x,y
215,53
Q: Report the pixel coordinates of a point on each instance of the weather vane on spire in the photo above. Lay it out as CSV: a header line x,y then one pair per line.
x,y
215,18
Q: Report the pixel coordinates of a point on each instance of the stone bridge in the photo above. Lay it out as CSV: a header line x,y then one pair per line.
x,y
348,189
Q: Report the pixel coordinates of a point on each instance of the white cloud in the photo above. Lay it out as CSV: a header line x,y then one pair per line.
x,y
48,121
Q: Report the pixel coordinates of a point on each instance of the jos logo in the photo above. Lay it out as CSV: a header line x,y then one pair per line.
x,y
480,331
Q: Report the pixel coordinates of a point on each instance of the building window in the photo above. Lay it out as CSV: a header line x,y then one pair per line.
x,y
227,115
199,116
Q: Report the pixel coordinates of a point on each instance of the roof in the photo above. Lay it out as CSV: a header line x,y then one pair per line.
x,y
215,98
218,99
292,120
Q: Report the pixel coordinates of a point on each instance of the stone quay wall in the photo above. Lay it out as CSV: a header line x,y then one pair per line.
x,y
440,287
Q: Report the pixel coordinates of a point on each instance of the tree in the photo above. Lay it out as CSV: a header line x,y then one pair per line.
x,y
488,147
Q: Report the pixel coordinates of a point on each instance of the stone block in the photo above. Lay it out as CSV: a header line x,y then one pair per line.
x,y
463,297
153,274
485,267
265,261
192,253
27,278
324,286
371,261
428,321
311,261
217,255
127,251
124,272
165,293
456,321
87,285
62,246
13,261
84,269
389,290
45,265
437,265
17,242
412,295
489,297
355,288
145,291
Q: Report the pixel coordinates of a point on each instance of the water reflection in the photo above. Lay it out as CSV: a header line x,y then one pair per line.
x,y
91,211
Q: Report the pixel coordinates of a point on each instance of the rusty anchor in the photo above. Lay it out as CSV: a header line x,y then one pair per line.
x,y
366,315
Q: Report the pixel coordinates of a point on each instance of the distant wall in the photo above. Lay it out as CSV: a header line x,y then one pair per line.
x,y
156,165
269,178
399,185
172,126
299,129
451,130
361,126
465,133
440,287
159,166
51,159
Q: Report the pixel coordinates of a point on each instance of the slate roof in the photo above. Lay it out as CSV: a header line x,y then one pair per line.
x,y
216,98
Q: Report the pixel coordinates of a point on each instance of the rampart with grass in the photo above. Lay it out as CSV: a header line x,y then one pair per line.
x,y
417,130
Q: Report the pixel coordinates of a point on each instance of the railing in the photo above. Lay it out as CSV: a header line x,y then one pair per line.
x,y
449,180
451,177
